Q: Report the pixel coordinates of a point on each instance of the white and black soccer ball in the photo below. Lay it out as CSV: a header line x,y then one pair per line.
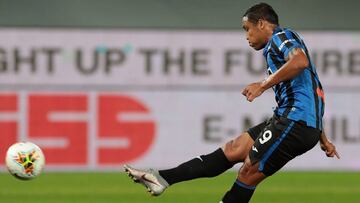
x,y
25,160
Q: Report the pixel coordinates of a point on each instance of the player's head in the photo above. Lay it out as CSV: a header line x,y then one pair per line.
x,y
259,22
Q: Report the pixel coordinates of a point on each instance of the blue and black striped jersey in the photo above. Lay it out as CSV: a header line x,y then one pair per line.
x,y
301,98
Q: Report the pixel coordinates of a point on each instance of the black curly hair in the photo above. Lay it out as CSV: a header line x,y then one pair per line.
x,y
262,11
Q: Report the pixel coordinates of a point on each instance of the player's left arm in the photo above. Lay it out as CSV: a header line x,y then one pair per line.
x,y
328,147
296,62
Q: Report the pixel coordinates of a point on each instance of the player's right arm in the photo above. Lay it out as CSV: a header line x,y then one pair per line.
x,y
296,62
328,147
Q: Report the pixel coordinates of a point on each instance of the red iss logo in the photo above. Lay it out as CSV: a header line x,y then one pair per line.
x,y
87,130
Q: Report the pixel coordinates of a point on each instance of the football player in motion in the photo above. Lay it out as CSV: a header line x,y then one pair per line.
x,y
295,127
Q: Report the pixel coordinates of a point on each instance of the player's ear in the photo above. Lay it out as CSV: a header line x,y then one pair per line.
x,y
261,24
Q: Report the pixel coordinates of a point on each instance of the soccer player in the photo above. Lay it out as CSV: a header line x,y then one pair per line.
x,y
295,128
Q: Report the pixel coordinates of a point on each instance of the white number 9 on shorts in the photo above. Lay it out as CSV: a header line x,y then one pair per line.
x,y
265,137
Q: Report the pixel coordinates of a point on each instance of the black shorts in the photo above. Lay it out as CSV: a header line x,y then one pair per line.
x,y
278,140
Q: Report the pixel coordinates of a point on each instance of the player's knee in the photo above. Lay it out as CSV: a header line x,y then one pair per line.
x,y
248,169
233,152
245,169
249,173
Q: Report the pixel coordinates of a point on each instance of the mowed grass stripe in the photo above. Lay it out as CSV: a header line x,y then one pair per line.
x,y
290,187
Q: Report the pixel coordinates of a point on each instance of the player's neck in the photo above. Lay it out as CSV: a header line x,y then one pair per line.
x,y
269,31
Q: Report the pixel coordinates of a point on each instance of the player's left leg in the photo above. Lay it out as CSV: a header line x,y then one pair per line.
x,y
248,178
281,141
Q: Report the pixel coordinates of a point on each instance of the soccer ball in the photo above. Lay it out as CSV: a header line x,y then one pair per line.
x,y
25,160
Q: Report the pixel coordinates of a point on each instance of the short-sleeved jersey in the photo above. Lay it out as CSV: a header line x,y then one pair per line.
x,y
301,98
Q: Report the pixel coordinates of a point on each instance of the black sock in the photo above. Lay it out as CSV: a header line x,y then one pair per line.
x,y
209,165
239,193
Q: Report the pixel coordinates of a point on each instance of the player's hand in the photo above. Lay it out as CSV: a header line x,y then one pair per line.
x,y
252,91
330,149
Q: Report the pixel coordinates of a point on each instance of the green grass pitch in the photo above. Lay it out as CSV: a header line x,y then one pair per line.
x,y
284,187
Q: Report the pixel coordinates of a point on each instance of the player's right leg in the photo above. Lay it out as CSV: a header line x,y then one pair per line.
x,y
151,179
208,165
213,164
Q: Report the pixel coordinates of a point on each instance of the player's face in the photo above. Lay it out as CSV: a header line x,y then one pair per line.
x,y
255,33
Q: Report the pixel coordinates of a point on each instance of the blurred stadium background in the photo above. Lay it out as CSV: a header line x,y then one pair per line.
x,y
155,82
